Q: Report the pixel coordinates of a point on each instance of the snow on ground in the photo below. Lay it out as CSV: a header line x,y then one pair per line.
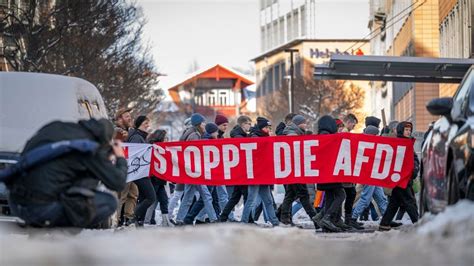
x,y
445,239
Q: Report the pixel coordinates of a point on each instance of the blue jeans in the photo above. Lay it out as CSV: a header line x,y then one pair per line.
x,y
222,199
265,194
296,207
54,215
189,191
369,192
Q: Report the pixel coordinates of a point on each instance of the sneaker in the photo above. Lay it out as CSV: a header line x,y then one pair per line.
x,y
384,228
325,223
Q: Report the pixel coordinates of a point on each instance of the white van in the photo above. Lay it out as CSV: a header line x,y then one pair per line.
x,y
29,101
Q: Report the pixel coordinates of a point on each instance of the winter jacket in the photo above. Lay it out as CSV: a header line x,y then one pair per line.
x,y
191,133
45,183
220,134
136,136
327,125
293,130
207,136
238,132
279,129
416,167
255,132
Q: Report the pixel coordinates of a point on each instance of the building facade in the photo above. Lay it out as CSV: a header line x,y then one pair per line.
x,y
405,28
212,91
282,21
456,34
273,67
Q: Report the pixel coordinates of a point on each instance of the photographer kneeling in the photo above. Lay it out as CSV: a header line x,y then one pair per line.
x,y
60,188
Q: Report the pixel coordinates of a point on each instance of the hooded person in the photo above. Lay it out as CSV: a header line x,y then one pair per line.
x,y
334,192
296,127
195,133
63,192
402,196
261,129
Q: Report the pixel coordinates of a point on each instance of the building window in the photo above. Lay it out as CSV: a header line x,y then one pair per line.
x,y
270,80
277,76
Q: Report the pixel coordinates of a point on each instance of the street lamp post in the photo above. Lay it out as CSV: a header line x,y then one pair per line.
x,y
292,83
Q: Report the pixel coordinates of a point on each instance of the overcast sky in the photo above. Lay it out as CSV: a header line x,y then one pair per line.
x,y
227,31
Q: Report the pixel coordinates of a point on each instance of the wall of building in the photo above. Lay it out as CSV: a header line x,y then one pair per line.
x,y
456,34
311,52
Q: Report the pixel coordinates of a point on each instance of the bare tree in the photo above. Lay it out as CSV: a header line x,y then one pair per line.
x,y
315,98
99,41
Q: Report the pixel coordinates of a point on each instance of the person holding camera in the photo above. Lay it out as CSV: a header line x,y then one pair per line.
x,y
63,191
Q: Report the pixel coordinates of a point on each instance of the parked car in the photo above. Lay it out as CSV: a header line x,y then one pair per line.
x,y
448,159
28,101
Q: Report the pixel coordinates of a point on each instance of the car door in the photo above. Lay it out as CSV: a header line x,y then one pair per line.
x,y
436,153
460,145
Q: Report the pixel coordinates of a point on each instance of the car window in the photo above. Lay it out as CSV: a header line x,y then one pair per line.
x,y
460,100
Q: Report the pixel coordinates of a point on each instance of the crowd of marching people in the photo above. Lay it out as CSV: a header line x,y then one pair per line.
x,y
332,207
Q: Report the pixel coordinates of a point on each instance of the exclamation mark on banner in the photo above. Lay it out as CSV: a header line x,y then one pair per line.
x,y
397,168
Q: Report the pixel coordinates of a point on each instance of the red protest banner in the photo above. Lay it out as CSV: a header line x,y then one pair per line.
x,y
343,157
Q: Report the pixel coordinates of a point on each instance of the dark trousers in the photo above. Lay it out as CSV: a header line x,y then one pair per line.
x,y
239,191
402,210
400,197
333,199
146,197
161,195
349,203
199,205
54,215
292,193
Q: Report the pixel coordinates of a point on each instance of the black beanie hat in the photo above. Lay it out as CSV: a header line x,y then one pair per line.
x,y
139,121
263,122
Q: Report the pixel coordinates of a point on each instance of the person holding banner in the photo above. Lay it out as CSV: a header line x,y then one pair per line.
x,y
261,129
222,191
334,192
129,195
159,185
402,196
239,131
195,133
197,212
369,192
297,127
146,192
350,121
